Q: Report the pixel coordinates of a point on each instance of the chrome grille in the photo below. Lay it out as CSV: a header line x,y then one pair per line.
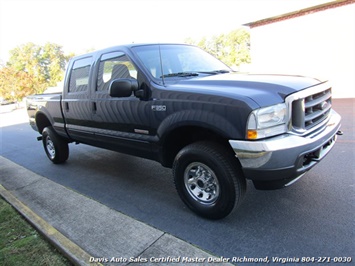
x,y
317,108
310,108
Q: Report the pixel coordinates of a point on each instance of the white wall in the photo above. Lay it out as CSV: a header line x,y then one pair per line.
x,y
321,44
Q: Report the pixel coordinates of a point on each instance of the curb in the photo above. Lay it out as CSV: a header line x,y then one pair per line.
x,y
68,248
87,237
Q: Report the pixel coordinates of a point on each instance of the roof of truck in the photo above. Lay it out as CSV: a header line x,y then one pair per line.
x,y
123,47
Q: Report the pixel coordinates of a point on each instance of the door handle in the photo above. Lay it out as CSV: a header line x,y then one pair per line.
x,y
67,106
94,107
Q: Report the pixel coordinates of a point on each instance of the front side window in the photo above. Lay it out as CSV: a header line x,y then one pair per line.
x,y
114,65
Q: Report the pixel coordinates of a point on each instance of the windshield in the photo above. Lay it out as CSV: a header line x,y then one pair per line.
x,y
178,61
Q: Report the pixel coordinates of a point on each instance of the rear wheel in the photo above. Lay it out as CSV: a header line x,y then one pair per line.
x,y
208,179
56,148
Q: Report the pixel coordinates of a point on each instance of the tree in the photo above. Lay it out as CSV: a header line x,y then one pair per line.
x,y
232,48
46,62
54,62
31,69
237,43
14,84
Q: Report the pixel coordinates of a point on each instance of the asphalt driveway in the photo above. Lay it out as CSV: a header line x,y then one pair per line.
x,y
312,218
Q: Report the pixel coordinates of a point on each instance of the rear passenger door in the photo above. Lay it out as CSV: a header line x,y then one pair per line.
x,y
77,107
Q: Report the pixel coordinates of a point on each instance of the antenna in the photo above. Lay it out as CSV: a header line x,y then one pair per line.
x,y
161,66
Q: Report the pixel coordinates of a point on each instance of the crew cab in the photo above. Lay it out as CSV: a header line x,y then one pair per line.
x,y
180,106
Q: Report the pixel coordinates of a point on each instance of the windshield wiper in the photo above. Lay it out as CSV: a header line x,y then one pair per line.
x,y
193,74
180,74
215,72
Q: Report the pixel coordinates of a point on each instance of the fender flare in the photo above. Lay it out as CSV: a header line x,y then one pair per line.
x,y
199,118
43,112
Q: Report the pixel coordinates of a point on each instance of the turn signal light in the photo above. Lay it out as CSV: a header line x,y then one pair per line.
x,y
252,134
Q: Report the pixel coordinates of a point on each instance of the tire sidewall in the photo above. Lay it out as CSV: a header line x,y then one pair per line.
x,y
60,146
227,195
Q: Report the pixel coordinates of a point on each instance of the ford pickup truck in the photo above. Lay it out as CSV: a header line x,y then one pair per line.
x,y
180,106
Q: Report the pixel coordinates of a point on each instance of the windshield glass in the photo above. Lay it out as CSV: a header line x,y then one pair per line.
x,y
178,61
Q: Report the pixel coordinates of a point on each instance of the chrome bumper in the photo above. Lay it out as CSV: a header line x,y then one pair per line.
x,y
285,157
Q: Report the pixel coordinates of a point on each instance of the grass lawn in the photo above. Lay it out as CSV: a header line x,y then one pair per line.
x,y
21,244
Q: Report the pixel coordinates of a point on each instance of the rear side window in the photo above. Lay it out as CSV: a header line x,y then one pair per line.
x,y
79,77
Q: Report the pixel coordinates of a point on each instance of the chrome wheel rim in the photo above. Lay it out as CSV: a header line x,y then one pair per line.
x,y
50,147
201,183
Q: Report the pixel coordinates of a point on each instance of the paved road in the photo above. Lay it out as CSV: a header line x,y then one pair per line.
x,y
314,217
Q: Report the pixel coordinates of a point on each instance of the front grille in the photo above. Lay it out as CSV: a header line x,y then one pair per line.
x,y
317,108
310,108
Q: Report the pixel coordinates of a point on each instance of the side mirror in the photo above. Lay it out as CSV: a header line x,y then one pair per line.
x,y
123,87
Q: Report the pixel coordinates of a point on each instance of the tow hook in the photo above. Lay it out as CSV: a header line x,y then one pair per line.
x,y
340,133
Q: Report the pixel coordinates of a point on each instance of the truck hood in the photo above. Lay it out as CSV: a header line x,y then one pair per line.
x,y
262,89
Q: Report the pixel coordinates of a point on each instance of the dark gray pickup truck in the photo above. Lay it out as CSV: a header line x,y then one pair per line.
x,y
178,105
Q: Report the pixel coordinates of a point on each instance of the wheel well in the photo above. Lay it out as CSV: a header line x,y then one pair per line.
x,y
180,137
42,121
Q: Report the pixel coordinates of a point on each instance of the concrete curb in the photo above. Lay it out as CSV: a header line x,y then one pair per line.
x,y
68,248
88,232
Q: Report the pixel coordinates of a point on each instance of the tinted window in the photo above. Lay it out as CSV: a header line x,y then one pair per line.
x,y
79,78
114,66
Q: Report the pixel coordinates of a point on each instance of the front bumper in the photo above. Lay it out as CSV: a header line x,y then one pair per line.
x,y
279,161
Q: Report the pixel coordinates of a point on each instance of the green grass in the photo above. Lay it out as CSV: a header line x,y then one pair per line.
x,y
21,244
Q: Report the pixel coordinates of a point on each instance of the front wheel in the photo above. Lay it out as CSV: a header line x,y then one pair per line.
x,y
208,179
56,148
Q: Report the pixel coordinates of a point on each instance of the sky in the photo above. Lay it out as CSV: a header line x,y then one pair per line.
x,y
82,25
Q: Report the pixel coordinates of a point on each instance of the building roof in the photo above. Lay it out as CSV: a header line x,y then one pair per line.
x,y
299,13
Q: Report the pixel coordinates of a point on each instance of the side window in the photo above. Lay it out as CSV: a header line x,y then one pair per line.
x,y
114,66
79,77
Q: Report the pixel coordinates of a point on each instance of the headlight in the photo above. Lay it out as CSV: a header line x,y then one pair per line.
x,y
266,122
